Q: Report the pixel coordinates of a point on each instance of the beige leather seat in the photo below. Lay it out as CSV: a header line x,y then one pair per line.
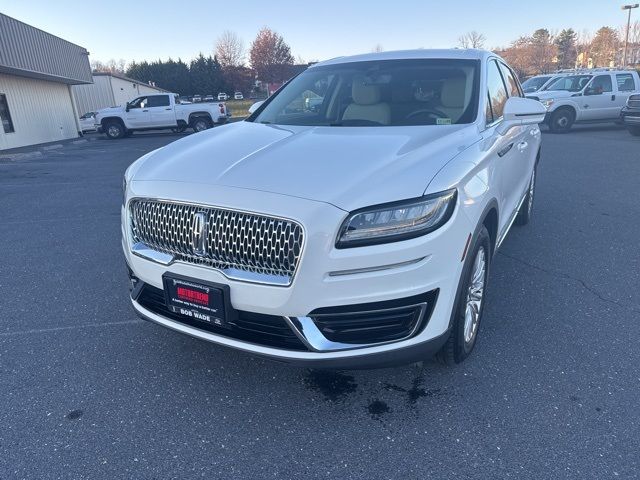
x,y
452,98
366,103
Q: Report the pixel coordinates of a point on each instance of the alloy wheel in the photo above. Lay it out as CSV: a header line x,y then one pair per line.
x,y
475,295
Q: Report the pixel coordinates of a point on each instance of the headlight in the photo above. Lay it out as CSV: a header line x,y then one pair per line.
x,y
396,221
547,103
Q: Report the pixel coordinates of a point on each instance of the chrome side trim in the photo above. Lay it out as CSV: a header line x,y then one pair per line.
x,y
309,334
379,268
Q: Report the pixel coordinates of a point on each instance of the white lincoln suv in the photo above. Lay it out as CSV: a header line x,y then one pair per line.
x,y
356,233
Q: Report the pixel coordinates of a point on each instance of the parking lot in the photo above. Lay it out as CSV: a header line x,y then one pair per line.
x,y
88,390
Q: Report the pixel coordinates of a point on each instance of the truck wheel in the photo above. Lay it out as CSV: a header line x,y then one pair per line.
x,y
634,130
114,130
200,124
562,120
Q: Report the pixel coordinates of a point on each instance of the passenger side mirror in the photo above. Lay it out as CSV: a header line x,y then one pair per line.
x,y
255,106
521,111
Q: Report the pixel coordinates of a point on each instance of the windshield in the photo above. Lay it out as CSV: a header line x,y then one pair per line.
x,y
378,93
533,84
572,83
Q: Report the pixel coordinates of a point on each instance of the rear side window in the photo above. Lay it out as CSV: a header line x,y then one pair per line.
x,y
158,101
497,93
601,84
511,81
625,82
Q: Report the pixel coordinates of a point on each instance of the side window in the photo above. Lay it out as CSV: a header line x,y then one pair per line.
x,y
625,82
140,102
158,101
601,84
511,81
5,115
497,92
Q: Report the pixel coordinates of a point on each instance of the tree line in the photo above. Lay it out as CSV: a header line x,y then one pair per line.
x,y
227,69
231,67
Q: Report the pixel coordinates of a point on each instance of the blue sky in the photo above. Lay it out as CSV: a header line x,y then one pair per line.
x,y
144,29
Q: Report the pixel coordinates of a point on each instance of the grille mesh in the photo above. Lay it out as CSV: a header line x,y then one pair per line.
x,y
234,240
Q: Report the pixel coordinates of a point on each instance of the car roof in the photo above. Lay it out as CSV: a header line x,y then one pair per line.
x,y
453,53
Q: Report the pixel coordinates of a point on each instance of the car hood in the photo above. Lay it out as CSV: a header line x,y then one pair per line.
x,y
349,167
547,94
110,110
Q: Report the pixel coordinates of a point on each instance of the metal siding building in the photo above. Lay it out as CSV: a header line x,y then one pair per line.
x,y
109,90
37,70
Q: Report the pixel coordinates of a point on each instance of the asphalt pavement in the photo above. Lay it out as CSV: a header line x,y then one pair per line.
x,y
89,391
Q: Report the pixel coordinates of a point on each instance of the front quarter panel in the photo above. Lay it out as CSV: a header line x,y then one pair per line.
x,y
472,174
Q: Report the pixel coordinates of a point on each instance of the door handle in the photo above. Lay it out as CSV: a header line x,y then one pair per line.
x,y
522,146
505,150
145,110
168,108
613,97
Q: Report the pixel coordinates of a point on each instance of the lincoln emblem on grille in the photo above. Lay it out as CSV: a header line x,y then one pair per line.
x,y
199,233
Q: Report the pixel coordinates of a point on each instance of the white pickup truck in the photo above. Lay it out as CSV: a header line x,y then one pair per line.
x,y
158,111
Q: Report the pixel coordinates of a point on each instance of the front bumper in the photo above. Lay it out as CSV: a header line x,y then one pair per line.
x,y
630,116
327,278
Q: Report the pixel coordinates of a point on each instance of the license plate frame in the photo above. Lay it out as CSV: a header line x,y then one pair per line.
x,y
197,300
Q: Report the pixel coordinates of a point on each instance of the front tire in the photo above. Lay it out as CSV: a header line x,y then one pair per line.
x,y
634,130
562,120
469,306
114,130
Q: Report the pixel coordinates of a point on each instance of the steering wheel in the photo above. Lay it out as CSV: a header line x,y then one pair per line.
x,y
427,111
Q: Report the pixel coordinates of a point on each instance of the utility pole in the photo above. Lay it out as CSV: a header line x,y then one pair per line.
x,y
626,37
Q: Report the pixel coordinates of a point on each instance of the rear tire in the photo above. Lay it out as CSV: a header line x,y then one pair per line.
x,y
562,120
634,130
526,209
469,307
199,124
114,130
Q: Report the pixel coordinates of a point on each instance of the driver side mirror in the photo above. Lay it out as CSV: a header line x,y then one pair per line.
x,y
255,106
521,111
127,107
593,91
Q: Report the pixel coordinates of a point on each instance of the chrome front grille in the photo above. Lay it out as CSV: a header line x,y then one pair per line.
x,y
634,101
243,246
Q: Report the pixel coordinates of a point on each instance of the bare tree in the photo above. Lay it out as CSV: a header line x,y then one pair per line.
x,y
112,66
270,56
471,39
604,47
230,49
583,46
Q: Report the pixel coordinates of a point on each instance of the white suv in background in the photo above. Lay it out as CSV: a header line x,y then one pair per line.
x,y
356,233
589,96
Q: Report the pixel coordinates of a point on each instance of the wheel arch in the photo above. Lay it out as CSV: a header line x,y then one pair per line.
x,y
105,120
490,219
203,114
